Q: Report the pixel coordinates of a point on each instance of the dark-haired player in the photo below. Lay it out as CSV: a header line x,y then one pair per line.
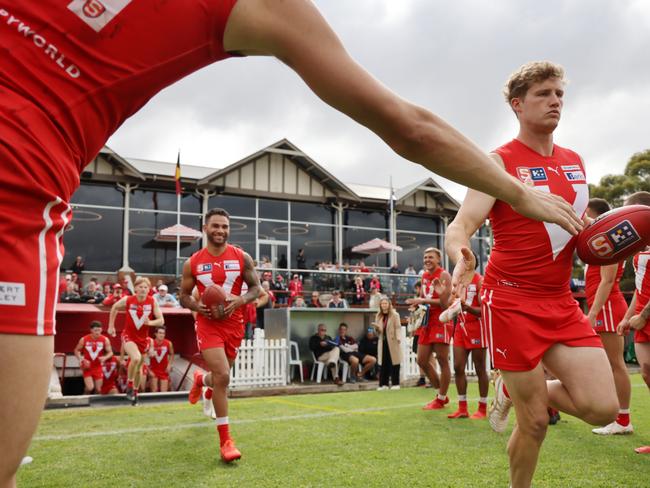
x,y
161,359
92,351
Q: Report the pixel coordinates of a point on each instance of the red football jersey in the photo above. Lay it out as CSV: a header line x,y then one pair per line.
x,y
592,281
642,279
94,348
530,256
110,371
427,291
472,296
224,270
160,355
71,72
136,314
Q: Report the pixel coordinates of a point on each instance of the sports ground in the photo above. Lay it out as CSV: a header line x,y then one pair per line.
x,y
347,439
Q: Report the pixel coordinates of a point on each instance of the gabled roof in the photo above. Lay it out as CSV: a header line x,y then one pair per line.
x,y
166,168
117,160
427,185
288,149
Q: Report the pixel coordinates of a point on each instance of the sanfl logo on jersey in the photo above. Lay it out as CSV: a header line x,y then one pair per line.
x,y
97,13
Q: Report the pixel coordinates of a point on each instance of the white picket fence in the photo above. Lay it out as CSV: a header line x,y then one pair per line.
x,y
260,362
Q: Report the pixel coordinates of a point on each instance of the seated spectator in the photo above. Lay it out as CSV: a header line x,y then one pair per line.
x,y
92,294
358,291
375,284
295,288
164,298
349,351
280,288
337,301
74,278
363,268
326,351
107,288
63,283
299,302
368,352
373,301
265,300
70,295
315,300
118,293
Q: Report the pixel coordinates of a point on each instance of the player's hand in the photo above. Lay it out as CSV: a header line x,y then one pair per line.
x,y
463,273
546,207
623,328
203,310
637,322
234,302
111,331
592,319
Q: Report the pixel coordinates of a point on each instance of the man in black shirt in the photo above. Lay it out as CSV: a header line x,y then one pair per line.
x,y
368,352
326,351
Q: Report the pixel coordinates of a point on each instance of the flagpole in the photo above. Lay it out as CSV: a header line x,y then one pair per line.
x,y
178,212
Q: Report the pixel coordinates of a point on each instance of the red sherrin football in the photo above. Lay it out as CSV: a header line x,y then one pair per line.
x,y
615,235
213,296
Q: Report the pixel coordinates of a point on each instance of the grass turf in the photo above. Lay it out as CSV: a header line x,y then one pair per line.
x,y
359,439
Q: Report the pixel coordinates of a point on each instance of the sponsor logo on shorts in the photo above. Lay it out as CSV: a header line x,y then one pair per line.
x,y
97,13
12,294
475,342
575,175
502,352
613,241
204,268
440,336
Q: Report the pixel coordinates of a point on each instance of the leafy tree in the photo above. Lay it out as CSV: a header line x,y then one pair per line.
x,y
636,177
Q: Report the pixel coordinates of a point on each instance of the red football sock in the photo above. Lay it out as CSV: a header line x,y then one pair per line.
x,y
224,433
129,384
462,405
482,407
623,419
199,381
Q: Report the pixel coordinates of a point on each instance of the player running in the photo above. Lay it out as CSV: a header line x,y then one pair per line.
x,y
607,307
72,72
470,337
142,312
92,351
434,336
161,360
527,305
637,316
110,374
219,332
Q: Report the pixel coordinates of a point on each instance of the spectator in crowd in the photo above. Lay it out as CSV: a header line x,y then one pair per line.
x,y
282,262
164,298
118,293
394,281
70,295
368,352
267,276
388,326
74,278
295,288
375,284
78,266
161,359
92,351
373,300
363,268
264,302
315,300
92,294
280,288
301,260
107,288
326,351
412,277
265,263
299,302
110,373
358,291
349,351
337,301
63,283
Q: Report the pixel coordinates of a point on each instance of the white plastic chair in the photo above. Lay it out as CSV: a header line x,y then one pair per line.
x,y
318,369
294,360
346,367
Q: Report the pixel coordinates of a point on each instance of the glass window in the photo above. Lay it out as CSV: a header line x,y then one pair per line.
x,y
90,194
153,200
317,241
148,255
235,206
276,231
419,224
96,235
413,246
242,233
273,209
366,218
190,202
353,236
312,212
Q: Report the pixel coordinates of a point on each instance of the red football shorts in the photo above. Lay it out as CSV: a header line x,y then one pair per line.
x,y
435,333
210,336
31,249
520,328
611,314
160,374
107,386
469,333
94,371
143,344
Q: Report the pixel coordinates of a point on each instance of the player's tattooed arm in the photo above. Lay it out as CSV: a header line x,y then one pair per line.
x,y
252,280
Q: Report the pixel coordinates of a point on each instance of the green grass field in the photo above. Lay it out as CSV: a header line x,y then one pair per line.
x,y
357,439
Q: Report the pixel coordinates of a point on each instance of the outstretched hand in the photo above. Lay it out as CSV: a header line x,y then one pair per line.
x,y
544,206
463,273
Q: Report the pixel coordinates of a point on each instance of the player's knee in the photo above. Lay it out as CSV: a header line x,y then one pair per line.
x,y
220,379
423,362
136,358
645,373
459,370
602,412
535,426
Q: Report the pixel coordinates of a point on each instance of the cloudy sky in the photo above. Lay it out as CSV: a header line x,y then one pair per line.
x,y
452,57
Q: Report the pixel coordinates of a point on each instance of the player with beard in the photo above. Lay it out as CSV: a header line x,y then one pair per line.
x,y
527,305
434,336
220,330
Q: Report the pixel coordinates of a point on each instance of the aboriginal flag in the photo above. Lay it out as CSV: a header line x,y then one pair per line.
x,y
177,175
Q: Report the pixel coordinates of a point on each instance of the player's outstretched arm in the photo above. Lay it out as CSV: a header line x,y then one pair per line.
x,y
117,306
295,32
